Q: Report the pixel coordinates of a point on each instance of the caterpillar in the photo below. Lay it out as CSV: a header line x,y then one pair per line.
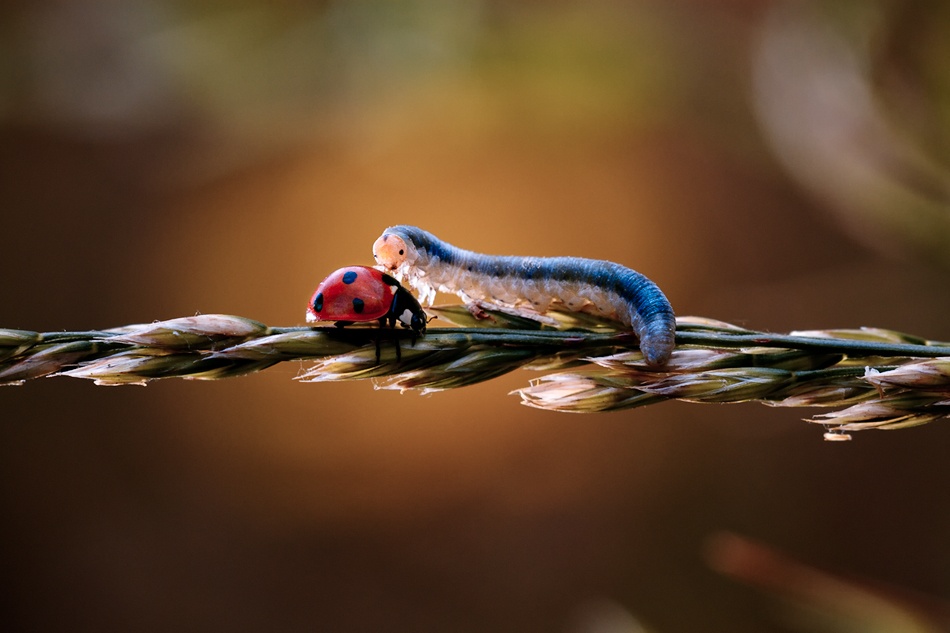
x,y
532,285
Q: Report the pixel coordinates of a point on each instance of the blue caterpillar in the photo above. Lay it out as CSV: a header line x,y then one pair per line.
x,y
532,285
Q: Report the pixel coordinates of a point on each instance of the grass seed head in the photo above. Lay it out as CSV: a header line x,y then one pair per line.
x,y
591,366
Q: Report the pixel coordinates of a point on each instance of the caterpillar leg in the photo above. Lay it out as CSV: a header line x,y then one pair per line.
x,y
479,310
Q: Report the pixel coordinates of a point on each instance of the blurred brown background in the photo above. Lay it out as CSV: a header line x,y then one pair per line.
x,y
781,166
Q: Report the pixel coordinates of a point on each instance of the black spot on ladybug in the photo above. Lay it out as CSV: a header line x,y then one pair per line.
x,y
318,302
349,277
358,303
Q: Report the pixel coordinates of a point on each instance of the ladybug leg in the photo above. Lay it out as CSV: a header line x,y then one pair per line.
x,y
392,331
382,324
412,333
392,318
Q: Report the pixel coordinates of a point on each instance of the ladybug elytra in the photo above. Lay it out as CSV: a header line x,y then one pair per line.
x,y
361,293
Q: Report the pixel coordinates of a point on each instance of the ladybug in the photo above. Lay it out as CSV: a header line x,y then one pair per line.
x,y
361,293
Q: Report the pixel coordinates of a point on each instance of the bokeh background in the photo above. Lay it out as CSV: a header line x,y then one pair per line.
x,y
779,165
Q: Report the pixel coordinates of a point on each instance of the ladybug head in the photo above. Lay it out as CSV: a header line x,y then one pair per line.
x,y
419,321
408,312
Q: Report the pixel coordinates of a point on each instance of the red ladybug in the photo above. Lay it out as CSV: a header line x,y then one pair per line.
x,y
361,293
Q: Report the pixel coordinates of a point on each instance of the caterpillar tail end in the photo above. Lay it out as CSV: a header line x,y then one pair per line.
x,y
657,344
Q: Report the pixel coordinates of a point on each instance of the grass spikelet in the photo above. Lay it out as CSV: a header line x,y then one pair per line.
x,y
580,393
476,366
737,384
292,344
44,360
818,394
886,413
201,331
135,368
868,334
931,374
13,342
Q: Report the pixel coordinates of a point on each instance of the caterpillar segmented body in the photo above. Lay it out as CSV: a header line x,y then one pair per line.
x,y
532,285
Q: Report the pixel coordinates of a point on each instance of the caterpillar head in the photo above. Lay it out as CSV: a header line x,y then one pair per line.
x,y
390,251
